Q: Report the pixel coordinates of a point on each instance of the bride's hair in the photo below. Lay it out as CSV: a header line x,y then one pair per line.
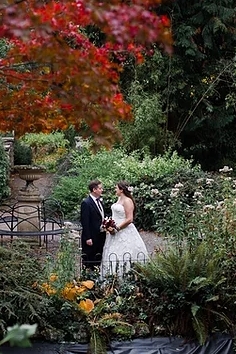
x,y
124,186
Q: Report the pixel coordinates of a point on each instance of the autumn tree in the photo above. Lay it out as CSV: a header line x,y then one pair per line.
x,y
54,75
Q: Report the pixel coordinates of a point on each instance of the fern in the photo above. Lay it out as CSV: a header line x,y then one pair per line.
x,y
97,344
186,288
200,329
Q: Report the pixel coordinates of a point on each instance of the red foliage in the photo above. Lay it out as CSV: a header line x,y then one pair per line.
x,y
66,79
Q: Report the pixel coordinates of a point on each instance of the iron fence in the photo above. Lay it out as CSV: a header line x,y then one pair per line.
x,y
45,223
35,222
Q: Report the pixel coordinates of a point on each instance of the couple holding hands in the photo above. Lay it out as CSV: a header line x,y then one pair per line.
x,y
114,247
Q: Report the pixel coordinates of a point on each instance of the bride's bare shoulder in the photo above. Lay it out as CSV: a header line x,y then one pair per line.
x,y
127,202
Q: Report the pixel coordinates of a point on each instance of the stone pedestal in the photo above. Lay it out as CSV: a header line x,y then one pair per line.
x,y
29,212
29,200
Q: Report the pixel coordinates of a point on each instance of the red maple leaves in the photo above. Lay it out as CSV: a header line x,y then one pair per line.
x,y
54,76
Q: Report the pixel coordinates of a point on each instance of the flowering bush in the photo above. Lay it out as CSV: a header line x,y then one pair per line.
x,y
90,310
75,291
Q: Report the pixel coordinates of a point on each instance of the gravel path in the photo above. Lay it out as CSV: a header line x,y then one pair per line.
x,y
152,241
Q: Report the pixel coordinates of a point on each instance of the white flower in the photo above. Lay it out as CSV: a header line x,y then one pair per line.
x,y
130,189
197,195
225,169
179,185
208,207
174,192
220,205
199,180
155,191
209,180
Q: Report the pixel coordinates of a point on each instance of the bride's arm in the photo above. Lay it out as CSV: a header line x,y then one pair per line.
x,y
129,214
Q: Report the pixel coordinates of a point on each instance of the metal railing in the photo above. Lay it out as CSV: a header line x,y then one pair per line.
x,y
34,222
49,224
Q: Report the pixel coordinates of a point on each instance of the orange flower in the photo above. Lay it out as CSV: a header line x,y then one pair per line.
x,y
86,305
89,284
48,289
69,293
80,289
53,277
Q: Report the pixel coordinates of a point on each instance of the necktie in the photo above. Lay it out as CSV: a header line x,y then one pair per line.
x,y
99,204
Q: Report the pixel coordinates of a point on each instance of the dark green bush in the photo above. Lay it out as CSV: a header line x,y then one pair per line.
x,y
22,153
186,293
4,173
70,135
19,303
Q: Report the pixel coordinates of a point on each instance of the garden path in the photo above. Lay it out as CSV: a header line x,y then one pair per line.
x,y
45,184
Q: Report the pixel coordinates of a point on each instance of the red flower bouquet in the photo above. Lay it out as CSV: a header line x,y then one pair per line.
x,y
109,224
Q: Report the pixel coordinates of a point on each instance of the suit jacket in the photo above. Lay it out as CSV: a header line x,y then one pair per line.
x,y
91,220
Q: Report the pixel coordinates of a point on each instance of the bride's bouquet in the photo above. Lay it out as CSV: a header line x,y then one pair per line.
x,y
109,224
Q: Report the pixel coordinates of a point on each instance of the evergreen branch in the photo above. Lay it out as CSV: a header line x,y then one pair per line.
x,y
186,120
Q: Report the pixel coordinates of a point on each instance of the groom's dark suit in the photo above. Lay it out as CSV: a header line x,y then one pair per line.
x,y
91,220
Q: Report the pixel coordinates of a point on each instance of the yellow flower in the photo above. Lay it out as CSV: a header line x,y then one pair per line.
x,y
71,290
80,289
89,284
53,277
86,305
69,293
48,289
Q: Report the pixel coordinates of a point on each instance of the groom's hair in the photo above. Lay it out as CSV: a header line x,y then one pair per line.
x,y
94,184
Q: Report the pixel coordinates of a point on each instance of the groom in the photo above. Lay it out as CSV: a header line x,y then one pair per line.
x,y
92,215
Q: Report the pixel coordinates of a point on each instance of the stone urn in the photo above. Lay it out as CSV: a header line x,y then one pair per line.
x,y
29,173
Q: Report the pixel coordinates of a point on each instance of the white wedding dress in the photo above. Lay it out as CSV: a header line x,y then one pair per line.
x,y
123,248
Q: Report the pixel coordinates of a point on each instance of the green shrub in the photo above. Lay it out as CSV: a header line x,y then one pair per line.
x,y
142,172
52,141
196,207
4,173
47,149
85,166
70,135
19,303
152,190
22,153
185,293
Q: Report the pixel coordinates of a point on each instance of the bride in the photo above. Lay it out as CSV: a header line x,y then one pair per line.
x,y
123,244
